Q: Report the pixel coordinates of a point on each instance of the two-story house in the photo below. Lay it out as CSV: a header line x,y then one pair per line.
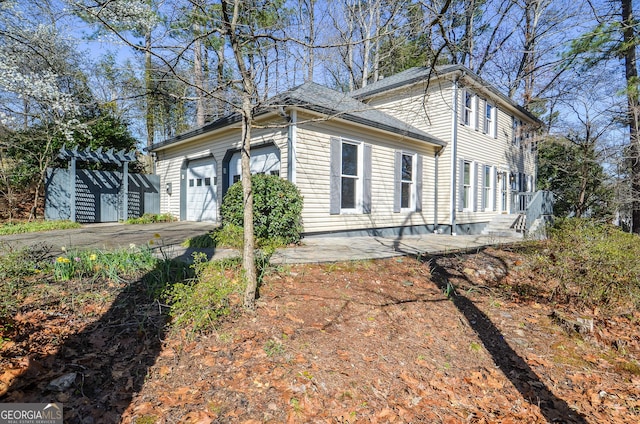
x,y
426,150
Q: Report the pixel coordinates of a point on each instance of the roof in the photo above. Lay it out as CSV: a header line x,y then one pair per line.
x,y
418,74
321,99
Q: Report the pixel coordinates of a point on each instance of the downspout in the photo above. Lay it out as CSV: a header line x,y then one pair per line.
x,y
291,142
435,190
454,157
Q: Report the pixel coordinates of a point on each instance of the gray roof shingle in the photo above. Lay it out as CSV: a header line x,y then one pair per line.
x,y
414,75
321,99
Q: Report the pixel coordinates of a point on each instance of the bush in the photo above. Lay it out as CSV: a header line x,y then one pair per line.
x,y
152,218
594,263
198,304
277,209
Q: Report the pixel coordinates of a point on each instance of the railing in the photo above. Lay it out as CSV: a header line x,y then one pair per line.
x,y
520,201
533,205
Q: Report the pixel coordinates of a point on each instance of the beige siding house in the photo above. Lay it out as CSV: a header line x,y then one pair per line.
x,y
426,150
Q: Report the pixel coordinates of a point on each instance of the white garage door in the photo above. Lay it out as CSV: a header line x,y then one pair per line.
x,y
202,202
264,160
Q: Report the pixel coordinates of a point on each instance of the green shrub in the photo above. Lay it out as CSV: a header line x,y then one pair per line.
x,y
277,208
151,218
197,305
594,263
229,236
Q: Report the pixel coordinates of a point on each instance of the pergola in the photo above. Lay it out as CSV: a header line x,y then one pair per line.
x,y
120,159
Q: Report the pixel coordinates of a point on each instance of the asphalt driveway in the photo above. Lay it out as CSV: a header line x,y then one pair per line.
x,y
110,236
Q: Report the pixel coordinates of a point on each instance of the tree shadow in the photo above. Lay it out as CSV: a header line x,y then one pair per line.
x,y
514,367
96,372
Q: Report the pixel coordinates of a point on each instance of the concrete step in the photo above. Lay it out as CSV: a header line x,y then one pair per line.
x,y
504,225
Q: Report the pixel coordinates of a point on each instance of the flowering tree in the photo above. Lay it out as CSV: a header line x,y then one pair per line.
x,y
39,91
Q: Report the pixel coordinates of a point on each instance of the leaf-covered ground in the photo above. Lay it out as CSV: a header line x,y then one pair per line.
x,y
464,338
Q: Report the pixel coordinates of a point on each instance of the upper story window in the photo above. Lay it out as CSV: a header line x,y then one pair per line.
x,y
468,112
489,119
517,131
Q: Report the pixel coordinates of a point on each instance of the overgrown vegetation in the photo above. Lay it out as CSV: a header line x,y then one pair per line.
x,y
151,218
35,226
277,208
197,304
592,263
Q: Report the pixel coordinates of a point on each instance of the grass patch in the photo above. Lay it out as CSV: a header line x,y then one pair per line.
x,y
36,226
109,265
151,218
203,241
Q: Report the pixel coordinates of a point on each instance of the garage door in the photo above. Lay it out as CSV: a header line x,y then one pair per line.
x,y
201,196
264,160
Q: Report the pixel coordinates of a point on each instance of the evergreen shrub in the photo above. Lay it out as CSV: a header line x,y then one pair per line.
x,y
277,209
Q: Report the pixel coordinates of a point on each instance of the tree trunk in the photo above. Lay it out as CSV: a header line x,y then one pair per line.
x,y
198,73
631,75
248,94
150,96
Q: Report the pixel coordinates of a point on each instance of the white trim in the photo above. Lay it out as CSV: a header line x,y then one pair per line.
x,y
359,178
414,185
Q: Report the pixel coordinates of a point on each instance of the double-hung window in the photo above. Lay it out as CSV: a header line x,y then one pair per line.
x,y
468,108
350,176
407,194
487,188
468,187
489,119
517,132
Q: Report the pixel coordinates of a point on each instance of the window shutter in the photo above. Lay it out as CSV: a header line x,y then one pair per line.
x,y
460,184
397,181
419,183
474,186
366,188
495,121
335,176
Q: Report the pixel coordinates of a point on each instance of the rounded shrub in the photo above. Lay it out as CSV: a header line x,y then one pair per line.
x,y
277,209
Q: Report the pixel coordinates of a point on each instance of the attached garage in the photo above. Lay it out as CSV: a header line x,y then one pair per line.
x,y
201,195
265,159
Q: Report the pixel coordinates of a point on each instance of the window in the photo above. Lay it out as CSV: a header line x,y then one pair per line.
x,y
350,176
407,181
466,185
207,181
487,188
517,131
469,103
489,119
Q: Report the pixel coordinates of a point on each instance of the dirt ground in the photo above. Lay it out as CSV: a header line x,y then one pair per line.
x,y
447,339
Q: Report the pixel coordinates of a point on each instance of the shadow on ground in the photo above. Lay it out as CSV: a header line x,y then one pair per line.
x,y
96,372
515,368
